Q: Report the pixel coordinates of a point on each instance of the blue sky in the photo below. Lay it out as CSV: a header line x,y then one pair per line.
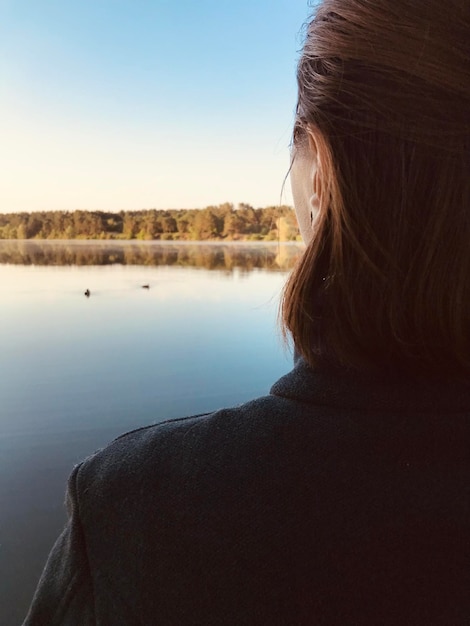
x,y
130,104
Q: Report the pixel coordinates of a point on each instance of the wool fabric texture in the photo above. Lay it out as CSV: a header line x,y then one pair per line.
x,y
337,499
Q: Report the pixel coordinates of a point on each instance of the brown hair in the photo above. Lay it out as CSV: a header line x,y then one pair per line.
x,y
385,85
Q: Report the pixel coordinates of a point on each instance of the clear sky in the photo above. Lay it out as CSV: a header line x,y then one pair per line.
x,y
130,104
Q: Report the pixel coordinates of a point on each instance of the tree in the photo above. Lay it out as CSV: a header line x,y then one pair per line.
x,y
205,225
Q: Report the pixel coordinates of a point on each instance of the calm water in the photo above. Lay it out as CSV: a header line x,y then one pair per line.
x,y
78,371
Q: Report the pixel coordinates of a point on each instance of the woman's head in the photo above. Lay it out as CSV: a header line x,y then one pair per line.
x,y
381,169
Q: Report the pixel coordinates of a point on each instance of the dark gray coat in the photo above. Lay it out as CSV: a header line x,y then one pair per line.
x,y
335,500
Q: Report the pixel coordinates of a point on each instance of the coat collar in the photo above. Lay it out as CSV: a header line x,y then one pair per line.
x,y
334,386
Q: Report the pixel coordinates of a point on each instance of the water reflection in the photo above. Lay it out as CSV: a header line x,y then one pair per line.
x,y
78,371
244,257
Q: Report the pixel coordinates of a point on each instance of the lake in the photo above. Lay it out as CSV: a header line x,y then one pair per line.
x,y
168,330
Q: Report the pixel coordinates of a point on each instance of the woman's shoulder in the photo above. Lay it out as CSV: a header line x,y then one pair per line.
x,y
175,449
221,423
296,434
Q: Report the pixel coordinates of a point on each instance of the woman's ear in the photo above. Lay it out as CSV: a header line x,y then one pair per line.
x,y
315,149
307,184
316,184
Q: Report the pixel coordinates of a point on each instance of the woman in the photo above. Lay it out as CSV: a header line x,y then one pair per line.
x,y
343,496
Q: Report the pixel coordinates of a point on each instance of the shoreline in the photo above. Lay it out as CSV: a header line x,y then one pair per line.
x,y
158,242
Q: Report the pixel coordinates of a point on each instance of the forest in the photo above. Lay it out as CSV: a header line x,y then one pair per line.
x,y
223,222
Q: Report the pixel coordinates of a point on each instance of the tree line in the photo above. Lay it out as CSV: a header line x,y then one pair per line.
x,y
222,222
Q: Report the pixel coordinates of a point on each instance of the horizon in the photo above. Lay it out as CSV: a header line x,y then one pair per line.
x,y
132,106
